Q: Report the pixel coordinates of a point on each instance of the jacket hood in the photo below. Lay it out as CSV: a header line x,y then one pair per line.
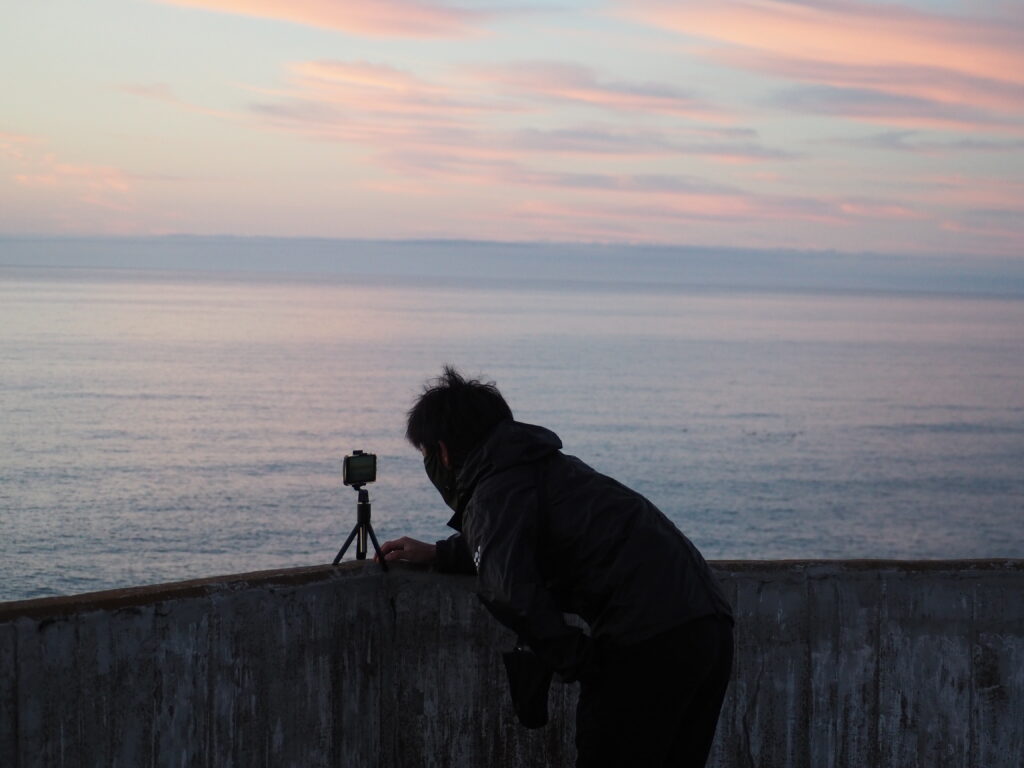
x,y
509,444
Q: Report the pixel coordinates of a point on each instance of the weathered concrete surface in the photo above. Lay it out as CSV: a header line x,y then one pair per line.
x,y
861,664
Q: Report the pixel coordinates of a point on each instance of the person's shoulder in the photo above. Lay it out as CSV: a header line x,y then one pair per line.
x,y
505,480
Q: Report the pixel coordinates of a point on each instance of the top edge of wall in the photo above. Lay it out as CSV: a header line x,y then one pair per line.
x,y
114,599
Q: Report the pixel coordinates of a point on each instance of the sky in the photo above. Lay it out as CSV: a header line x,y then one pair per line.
x,y
847,125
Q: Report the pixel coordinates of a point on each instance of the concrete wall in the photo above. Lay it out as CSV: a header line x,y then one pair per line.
x,y
838,664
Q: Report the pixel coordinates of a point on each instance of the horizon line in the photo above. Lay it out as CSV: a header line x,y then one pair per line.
x,y
457,241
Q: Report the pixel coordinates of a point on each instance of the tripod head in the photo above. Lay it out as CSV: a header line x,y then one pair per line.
x,y
358,469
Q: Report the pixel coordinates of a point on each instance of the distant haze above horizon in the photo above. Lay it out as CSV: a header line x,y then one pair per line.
x,y
781,126
493,263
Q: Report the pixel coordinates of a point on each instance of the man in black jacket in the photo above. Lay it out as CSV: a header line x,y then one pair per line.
x,y
547,535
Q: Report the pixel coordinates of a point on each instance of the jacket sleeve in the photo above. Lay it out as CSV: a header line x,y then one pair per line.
x,y
505,533
453,555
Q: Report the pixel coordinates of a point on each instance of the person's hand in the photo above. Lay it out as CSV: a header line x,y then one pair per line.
x,y
409,550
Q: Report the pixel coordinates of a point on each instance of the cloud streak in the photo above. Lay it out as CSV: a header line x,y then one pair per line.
x,y
371,18
162,93
375,105
41,190
391,110
911,142
446,138
35,167
983,210
576,85
888,108
864,60
380,90
626,196
621,142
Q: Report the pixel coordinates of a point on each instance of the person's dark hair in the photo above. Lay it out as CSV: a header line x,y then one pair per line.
x,y
458,412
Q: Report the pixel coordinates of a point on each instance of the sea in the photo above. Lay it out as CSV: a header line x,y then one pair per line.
x,y
161,423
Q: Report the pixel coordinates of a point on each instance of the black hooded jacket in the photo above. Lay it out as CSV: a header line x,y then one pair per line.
x,y
549,535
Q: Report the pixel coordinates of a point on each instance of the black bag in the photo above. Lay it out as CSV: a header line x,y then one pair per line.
x,y
529,679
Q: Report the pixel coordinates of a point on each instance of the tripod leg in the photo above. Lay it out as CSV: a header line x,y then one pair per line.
x,y
341,552
376,547
361,542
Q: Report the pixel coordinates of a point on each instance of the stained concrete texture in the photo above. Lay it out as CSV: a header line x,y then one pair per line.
x,y
838,664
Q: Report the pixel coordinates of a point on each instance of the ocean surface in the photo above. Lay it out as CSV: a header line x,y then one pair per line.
x,y
159,425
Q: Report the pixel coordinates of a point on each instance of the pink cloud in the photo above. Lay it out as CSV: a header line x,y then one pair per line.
x,y
948,70
558,220
374,18
362,87
850,32
997,231
753,219
501,169
432,136
425,135
164,94
598,141
34,167
910,142
15,145
392,110
649,222
935,82
373,105
878,211
985,212
577,85
975,192
1006,232
891,109
652,196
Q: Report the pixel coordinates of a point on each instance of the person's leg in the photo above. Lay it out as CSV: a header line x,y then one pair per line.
x,y
594,742
623,717
698,723
640,704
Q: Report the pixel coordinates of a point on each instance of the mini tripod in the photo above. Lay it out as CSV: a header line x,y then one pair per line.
x,y
362,529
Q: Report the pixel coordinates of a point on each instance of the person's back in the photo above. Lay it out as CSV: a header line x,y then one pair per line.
x,y
606,552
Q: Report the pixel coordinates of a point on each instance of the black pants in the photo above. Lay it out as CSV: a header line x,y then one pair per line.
x,y
656,703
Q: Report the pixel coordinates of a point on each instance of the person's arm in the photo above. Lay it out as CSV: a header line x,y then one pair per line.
x,y
453,555
506,528
409,550
448,555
